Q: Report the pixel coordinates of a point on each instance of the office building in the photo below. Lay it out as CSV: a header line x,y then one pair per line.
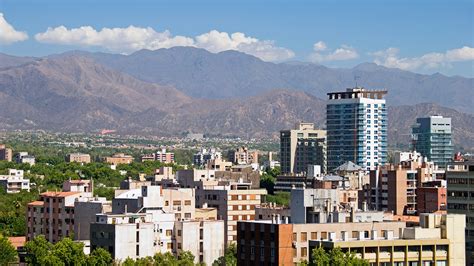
x,y
432,137
302,146
356,124
14,182
460,179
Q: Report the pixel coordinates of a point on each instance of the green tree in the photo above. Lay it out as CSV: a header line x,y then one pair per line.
x,y
99,257
335,257
70,252
267,182
8,252
38,249
186,258
164,259
229,258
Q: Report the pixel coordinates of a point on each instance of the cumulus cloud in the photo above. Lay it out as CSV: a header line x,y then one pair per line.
x,y
390,58
126,40
8,34
342,53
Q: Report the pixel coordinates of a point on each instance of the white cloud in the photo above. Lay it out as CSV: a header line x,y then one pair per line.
x,y
345,52
132,38
319,46
8,34
390,58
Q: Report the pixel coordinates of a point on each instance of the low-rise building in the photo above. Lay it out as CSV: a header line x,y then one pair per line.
x,y
119,158
267,243
438,241
24,157
243,155
81,158
272,211
14,181
201,158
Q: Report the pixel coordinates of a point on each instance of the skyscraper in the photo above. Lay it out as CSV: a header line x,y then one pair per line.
x,y
356,124
302,146
431,136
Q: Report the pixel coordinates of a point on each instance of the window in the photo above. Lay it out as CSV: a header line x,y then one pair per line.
x,y
167,203
294,237
314,235
179,232
168,232
304,237
169,246
304,252
187,202
177,202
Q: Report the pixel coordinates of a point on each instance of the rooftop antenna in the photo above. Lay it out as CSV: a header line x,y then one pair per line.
x,y
355,79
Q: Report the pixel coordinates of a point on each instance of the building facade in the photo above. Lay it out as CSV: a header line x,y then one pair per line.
x,y
6,154
460,179
78,158
432,137
356,124
119,158
302,146
243,155
14,181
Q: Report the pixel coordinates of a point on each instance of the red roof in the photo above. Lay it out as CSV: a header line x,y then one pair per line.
x,y
60,194
17,241
36,203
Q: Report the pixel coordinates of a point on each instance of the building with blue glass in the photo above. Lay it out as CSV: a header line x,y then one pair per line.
x,y
356,124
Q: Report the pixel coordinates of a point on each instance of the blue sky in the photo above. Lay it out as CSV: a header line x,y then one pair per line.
x,y
420,36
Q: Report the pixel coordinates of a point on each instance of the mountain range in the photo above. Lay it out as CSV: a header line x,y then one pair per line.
x,y
171,91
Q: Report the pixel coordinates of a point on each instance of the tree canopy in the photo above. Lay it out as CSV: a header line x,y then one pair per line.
x,y
335,257
7,251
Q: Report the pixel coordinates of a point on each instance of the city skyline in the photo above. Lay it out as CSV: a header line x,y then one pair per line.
x,y
341,34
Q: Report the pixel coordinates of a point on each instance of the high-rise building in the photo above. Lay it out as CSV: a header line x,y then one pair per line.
x,y
302,146
431,137
460,179
356,128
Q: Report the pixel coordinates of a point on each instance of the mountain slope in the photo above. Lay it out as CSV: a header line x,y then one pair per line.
x,y
202,74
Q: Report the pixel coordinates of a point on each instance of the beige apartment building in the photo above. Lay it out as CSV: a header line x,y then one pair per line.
x,y
119,158
6,154
78,158
234,202
302,146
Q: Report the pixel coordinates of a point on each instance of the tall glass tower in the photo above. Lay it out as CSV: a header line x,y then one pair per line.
x,y
356,124
431,136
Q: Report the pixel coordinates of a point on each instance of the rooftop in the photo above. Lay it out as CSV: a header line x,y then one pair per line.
x,y
59,194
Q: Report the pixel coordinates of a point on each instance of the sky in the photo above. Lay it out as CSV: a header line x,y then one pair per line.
x,y
420,36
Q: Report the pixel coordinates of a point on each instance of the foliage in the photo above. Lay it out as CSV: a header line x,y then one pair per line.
x,y
12,212
8,252
280,198
99,257
229,258
64,252
335,257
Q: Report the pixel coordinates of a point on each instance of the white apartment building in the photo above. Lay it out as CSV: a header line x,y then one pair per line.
x,y
14,182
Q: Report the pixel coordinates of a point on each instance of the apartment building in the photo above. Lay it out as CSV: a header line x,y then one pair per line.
x,y
119,158
460,179
271,211
356,124
14,181
85,211
203,238
432,137
431,199
243,155
395,187
201,158
181,202
234,202
53,214
164,156
438,241
24,157
302,146
6,154
81,158
272,243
